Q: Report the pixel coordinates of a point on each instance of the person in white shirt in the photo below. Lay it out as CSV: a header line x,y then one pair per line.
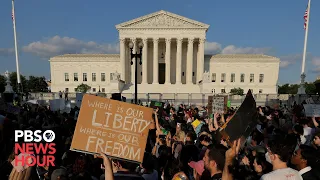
x,y
278,154
304,159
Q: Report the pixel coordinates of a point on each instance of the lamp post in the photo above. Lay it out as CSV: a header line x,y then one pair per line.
x,y
136,56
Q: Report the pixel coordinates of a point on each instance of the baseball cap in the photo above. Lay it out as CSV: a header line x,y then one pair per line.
x,y
198,166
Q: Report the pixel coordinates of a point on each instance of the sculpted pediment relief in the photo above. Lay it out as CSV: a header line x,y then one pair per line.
x,y
162,19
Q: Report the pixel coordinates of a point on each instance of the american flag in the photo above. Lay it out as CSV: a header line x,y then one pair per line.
x,y
306,14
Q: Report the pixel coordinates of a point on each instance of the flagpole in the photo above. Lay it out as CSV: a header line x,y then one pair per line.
x,y
301,89
16,47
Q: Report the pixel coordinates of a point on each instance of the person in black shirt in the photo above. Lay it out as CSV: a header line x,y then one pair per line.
x,y
214,161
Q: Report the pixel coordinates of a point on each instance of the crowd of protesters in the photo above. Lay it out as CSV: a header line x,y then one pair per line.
x,y
184,143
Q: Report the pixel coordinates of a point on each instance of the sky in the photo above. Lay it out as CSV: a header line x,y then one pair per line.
x,y
49,28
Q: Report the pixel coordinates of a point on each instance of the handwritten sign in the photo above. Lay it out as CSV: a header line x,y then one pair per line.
x,y
219,104
116,128
312,110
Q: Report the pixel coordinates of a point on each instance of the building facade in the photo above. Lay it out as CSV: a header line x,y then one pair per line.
x,y
173,61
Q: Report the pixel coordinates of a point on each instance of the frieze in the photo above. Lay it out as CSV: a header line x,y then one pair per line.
x,y
162,19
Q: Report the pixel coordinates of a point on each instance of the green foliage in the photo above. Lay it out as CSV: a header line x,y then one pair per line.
x,y
83,88
14,83
33,84
237,91
293,88
37,84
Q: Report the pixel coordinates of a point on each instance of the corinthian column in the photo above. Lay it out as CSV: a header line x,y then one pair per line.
x,y
168,59
179,57
155,61
123,58
145,61
189,61
200,66
133,68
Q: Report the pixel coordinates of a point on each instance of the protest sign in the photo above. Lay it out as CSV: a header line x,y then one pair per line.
x,y
219,104
309,100
118,129
243,121
312,110
157,104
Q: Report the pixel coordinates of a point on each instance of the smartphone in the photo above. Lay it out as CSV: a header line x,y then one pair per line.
x,y
162,136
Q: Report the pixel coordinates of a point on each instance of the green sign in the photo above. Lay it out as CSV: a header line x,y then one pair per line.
x,y
158,104
229,104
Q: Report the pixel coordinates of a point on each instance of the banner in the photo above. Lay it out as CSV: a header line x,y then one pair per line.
x,y
118,129
217,104
243,121
312,110
157,104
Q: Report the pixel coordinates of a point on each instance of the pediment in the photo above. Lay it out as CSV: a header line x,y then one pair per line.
x,y
162,19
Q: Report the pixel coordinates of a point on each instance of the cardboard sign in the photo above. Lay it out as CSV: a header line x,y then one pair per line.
x,y
219,104
312,110
118,129
243,121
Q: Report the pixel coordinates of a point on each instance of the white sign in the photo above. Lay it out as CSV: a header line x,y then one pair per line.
x,y
312,110
57,104
309,101
218,104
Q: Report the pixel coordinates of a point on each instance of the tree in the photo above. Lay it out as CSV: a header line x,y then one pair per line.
x,y
3,83
310,88
14,83
288,89
236,91
83,88
293,88
37,84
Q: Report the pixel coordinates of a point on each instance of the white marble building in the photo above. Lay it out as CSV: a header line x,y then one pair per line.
x,y
173,61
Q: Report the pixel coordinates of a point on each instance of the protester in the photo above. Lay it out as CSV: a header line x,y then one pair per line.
x,y
182,144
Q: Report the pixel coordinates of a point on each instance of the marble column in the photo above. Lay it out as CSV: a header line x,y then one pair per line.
x,y
123,58
200,59
168,61
179,59
133,68
145,61
156,61
189,61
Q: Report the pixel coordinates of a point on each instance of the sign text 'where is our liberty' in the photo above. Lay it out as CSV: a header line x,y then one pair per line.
x,y
116,128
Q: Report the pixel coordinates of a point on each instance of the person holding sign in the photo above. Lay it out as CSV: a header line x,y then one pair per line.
x,y
107,167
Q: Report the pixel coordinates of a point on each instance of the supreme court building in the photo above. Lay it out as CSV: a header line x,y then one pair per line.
x,y
173,61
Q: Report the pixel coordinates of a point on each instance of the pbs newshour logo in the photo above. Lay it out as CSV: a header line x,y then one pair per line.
x,y
33,144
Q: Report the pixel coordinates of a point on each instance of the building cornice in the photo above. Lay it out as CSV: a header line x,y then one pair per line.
x,y
86,58
162,20
243,58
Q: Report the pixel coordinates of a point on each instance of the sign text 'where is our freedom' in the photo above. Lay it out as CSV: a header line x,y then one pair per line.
x,y
116,128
